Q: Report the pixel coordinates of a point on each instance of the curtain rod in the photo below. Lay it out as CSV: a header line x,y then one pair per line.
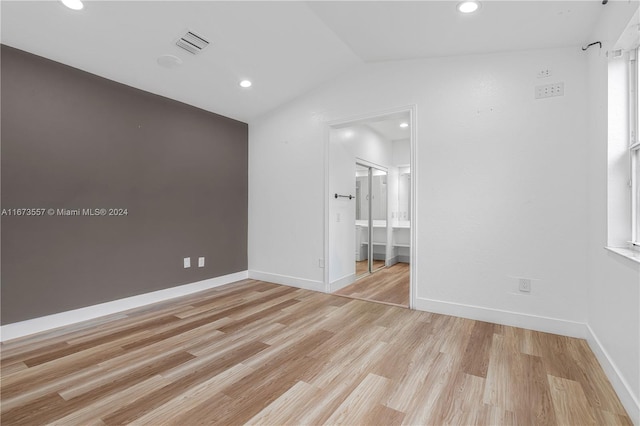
x,y
592,44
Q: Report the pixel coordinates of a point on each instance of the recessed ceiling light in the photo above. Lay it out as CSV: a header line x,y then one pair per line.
x,y
245,83
468,6
404,125
73,4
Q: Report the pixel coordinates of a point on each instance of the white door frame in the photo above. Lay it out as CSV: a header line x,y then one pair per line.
x,y
413,268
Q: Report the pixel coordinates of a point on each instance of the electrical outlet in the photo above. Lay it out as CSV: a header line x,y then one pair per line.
x,y
549,90
201,262
614,53
187,262
320,263
544,73
524,285
338,217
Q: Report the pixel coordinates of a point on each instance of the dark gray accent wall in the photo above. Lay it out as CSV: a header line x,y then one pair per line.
x,y
74,140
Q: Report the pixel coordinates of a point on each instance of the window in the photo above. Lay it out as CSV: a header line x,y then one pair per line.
x,y
634,147
623,131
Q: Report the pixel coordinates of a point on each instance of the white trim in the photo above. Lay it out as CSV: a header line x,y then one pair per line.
x,y
288,280
620,385
634,128
343,282
49,322
499,316
413,231
628,253
392,261
326,206
366,163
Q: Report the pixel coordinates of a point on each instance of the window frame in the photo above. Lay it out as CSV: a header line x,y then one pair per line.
x,y
634,147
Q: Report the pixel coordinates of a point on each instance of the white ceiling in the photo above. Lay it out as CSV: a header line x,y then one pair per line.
x,y
398,30
285,48
390,129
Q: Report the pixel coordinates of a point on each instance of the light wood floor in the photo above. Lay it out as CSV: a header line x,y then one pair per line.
x,y
362,267
260,353
388,285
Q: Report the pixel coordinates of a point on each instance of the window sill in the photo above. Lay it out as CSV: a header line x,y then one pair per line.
x,y
626,252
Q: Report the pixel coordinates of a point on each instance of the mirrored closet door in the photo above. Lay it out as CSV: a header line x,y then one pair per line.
x,y
371,219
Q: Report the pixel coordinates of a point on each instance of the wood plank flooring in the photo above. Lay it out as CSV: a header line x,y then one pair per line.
x,y
362,267
389,285
259,353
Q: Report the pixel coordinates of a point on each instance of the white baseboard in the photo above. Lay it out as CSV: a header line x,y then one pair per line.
x,y
287,280
514,319
620,385
342,282
49,322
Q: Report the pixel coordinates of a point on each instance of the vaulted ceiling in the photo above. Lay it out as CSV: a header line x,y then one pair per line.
x,y
284,48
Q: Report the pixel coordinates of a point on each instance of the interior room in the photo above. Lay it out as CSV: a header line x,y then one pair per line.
x,y
376,212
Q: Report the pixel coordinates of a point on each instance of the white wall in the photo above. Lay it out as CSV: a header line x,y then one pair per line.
x,y
401,152
342,211
502,189
613,281
369,145
286,200
402,157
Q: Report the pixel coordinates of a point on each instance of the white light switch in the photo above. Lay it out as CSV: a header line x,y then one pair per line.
x,y
187,262
201,262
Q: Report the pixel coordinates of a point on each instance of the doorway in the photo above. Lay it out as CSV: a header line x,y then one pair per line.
x,y
369,234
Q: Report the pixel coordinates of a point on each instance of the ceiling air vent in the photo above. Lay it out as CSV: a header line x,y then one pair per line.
x,y
192,42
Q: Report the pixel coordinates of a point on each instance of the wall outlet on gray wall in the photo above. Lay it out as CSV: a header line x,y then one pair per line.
x,y
187,262
201,262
